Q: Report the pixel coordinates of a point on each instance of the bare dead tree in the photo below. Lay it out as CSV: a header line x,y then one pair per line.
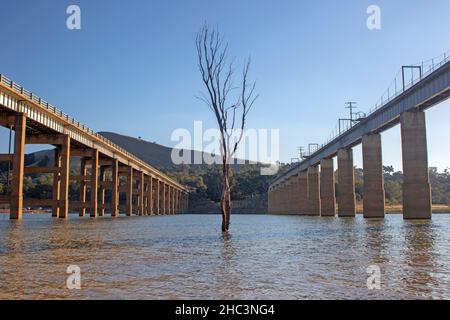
x,y
230,103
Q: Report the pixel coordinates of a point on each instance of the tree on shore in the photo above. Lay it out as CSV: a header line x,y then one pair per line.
x,y
229,102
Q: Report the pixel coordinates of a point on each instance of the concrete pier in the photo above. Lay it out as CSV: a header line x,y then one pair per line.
x,y
82,186
115,188
56,183
416,182
94,184
157,210
303,192
141,188
346,184
16,201
314,191
327,188
101,211
64,174
374,202
129,192
290,194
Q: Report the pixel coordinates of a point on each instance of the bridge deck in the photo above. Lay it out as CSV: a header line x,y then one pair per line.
x,y
43,118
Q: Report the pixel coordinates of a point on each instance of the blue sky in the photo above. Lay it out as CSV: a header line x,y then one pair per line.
x,y
132,67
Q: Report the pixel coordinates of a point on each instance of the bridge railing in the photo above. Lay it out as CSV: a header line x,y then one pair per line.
x,y
406,77
45,104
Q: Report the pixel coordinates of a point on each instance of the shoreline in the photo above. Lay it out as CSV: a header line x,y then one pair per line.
x,y
390,209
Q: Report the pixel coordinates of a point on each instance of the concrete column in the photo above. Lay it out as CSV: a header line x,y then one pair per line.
x,y
141,193
94,183
150,196
287,197
313,191
167,197
157,194
65,171
294,199
115,189
129,208
173,200
163,199
56,183
276,197
269,200
346,180
416,181
83,172
102,191
279,198
282,202
16,204
373,176
303,192
327,188
168,200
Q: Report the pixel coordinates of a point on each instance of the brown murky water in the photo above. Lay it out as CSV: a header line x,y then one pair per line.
x,y
185,256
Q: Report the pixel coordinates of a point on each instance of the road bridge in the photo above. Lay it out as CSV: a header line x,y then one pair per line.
x,y
104,166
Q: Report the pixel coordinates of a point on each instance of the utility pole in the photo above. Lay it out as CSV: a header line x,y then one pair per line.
x,y
351,105
300,150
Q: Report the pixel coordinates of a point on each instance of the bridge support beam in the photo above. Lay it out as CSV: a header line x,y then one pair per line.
x,y
65,171
115,189
129,192
293,195
172,199
283,198
346,180
286,197
166,199
16,199
141,187
313,191
101,212
157,207
374,204
56,183
288,194
416,182
327,188
83,172
148,196
303,192
94,184
169,199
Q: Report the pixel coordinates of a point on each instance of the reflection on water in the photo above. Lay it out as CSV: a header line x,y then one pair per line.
x,y
186,256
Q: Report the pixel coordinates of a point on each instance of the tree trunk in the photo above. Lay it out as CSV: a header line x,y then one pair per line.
x,y
225,202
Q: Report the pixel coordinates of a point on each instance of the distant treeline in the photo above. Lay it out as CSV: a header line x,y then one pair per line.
x,y
205,183
247,182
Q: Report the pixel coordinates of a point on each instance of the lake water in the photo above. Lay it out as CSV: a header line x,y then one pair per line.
x,y
186,257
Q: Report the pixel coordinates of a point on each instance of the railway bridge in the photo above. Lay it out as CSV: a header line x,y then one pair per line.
x,y
309,186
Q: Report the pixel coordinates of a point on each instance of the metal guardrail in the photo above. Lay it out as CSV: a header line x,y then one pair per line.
x,y
399,85
54,110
